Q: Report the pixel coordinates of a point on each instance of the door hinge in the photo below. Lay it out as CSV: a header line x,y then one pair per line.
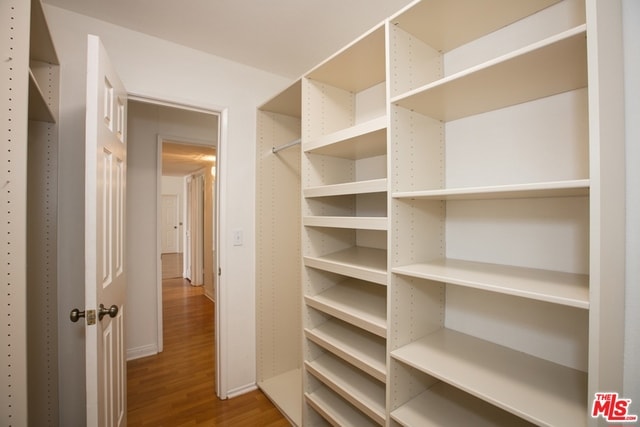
x,y
219,271
91,317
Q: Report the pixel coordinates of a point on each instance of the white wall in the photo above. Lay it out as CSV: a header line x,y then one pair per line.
x,y
175,185
145,122
154,68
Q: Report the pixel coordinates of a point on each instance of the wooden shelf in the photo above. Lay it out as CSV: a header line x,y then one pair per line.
x,y
443,405
569,188
551,66
335,410
284,391
348,188
363,350
358,66
359,303
542,392
359,389
360,223
359,262
361,141
543,285
39,110
446,24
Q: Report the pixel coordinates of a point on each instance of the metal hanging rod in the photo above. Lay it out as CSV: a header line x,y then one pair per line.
x,y
285,146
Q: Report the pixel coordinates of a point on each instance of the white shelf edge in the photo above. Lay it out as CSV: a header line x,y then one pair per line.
x,y
568,188
404,99
359,262
353,303
360,223
537,390
364,352
356,387
348,188
543,285
335,410
350,136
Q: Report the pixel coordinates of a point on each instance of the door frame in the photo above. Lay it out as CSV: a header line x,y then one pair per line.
x,y
220,221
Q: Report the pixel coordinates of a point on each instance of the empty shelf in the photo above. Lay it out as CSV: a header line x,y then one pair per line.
x,y
577,187
549,67
359,303
361,390
39,110
355,222
362,349
542,392
284,391
447,24
443,405
543,285
362,263
361,141
335,410
348,188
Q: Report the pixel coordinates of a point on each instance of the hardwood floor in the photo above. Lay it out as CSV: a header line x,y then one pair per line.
x,y
177,387
172,265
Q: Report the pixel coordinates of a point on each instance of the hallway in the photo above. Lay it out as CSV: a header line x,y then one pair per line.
x,y
176,387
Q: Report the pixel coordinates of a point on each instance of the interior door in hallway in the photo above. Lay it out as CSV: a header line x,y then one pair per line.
x,y
169,223
105,275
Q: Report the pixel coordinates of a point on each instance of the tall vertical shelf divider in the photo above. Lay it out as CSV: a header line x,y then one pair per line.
x,y
344,236
462,216
278,290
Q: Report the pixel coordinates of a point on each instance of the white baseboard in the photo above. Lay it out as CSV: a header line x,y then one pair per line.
x,y
241,390
144,351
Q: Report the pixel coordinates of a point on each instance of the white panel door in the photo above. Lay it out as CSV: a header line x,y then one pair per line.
x,y
169,223
105,274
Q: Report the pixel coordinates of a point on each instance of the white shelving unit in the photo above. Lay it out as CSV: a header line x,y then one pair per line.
x,y
30,96
345,220
279,328
492,183
462,218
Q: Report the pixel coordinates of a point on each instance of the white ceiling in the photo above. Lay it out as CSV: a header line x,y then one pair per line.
x,y
285,37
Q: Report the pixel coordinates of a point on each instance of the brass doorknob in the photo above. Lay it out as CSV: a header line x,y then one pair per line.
x,y
111,311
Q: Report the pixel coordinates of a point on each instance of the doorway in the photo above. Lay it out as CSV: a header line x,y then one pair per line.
x,y
152,123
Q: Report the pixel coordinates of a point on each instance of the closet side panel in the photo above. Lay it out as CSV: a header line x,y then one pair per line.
x,y
14,43
278,246
42,289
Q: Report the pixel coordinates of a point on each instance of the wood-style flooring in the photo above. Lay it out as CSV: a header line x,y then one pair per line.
x,y
177,387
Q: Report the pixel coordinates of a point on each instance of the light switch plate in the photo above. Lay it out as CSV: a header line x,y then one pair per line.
x,y
237,237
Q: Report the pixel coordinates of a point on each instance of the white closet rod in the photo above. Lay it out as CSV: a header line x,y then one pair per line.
x,y
285,146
